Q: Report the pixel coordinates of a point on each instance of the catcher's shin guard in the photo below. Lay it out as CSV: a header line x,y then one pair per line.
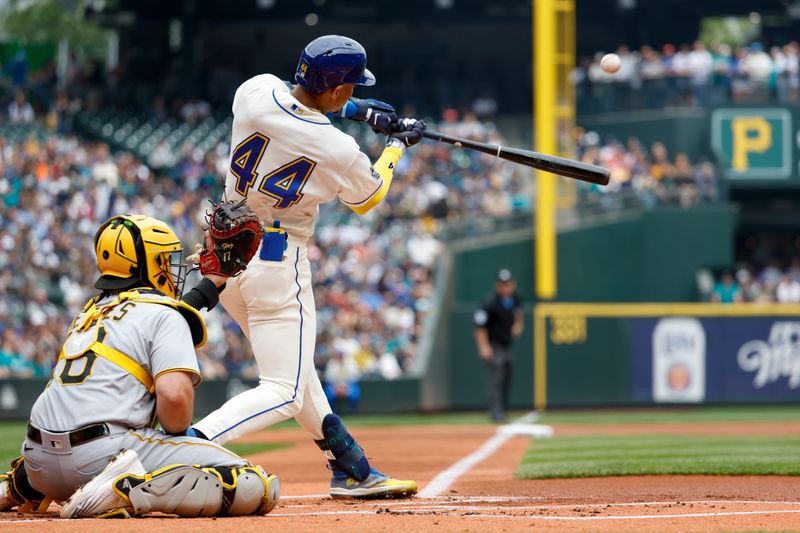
x,y
349,456
16,490
192,491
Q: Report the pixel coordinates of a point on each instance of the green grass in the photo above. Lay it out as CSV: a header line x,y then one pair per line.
x,y
628,455
11,436
668,415
247,449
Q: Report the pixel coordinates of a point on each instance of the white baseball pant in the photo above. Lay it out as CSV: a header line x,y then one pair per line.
x,y
273,303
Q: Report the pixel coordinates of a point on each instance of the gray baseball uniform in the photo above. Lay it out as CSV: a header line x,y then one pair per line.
x,y
96,381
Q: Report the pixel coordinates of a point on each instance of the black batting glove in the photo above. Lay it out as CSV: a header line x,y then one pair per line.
x,y
407,131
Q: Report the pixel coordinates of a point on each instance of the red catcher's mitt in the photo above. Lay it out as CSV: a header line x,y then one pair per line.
x,y
231,240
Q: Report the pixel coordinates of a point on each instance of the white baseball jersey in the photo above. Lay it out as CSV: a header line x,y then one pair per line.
x,y
286,158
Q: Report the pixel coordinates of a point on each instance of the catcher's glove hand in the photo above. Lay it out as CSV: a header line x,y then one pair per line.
x,y
231,239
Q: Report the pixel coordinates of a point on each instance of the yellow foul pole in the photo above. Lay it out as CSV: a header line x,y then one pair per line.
x,y
544,120
553,41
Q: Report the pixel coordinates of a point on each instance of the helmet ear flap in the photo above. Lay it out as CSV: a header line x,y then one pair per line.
x,y
141,257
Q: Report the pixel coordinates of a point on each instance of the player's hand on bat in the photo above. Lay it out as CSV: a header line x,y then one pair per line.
x,y
408,131
379,115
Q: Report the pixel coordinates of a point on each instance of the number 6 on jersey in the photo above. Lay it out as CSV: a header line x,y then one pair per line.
x,y
284,184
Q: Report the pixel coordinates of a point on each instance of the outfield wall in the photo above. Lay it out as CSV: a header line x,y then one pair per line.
x,y
641,256
680,353
17,396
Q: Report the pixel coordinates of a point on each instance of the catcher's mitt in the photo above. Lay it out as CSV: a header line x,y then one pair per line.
x,y
231,240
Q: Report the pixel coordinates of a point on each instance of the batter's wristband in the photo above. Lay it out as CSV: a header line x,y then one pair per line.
x,y
391,142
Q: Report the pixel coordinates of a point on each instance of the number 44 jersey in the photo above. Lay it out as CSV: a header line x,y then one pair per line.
x,y
113,352
287,158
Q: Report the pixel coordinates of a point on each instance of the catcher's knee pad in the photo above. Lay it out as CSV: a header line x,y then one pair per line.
x,y
193,491
247,490
349,456
21,491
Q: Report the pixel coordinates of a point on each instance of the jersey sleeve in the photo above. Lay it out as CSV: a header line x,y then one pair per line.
x,y
481,316
172,349
359,182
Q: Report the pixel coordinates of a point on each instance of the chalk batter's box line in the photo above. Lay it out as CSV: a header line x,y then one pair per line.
x,y
455,510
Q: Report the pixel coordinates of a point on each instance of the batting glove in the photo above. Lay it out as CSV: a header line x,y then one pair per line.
x,y
407,131
379,115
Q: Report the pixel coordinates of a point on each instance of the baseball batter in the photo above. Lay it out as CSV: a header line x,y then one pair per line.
x,y
287,159
127,362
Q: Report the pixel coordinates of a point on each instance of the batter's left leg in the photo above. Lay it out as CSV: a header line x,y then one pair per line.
x,y
353,477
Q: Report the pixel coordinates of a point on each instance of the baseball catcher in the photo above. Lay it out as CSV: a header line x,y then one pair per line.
x,y
128,362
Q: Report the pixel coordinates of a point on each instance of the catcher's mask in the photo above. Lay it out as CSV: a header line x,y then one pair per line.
x,y
136,250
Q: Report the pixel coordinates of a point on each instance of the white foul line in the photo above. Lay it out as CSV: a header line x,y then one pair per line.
x,y
446,478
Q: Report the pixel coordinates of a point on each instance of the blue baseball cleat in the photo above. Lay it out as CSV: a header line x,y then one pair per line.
x,y
377,485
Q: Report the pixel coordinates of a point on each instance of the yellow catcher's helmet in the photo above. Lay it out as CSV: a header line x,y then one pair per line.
x,y
137,250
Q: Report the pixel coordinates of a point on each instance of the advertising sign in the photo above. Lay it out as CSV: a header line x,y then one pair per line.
x,y
716,360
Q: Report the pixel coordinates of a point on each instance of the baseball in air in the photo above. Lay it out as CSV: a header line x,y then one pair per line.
x,y
610,63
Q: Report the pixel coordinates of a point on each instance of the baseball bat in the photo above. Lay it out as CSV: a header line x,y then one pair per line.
x,y
550,163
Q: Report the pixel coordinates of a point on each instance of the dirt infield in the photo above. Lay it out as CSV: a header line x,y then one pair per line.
x,y
488,497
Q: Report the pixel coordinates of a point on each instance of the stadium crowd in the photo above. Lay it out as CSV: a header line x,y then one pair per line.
x,y
372,275
690,75
777,281
650,174
649,78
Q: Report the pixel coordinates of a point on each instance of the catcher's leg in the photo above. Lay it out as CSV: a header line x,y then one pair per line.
x,y
16,490
159,478
124,488
191,491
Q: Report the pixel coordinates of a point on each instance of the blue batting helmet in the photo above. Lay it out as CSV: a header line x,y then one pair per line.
x,y
332,60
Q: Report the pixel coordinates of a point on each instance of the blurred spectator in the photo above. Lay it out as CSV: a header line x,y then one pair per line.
x,y
194,111
700,66
341,383
750,288
727,290
771,284
485,106
788,290
20,110
17,68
